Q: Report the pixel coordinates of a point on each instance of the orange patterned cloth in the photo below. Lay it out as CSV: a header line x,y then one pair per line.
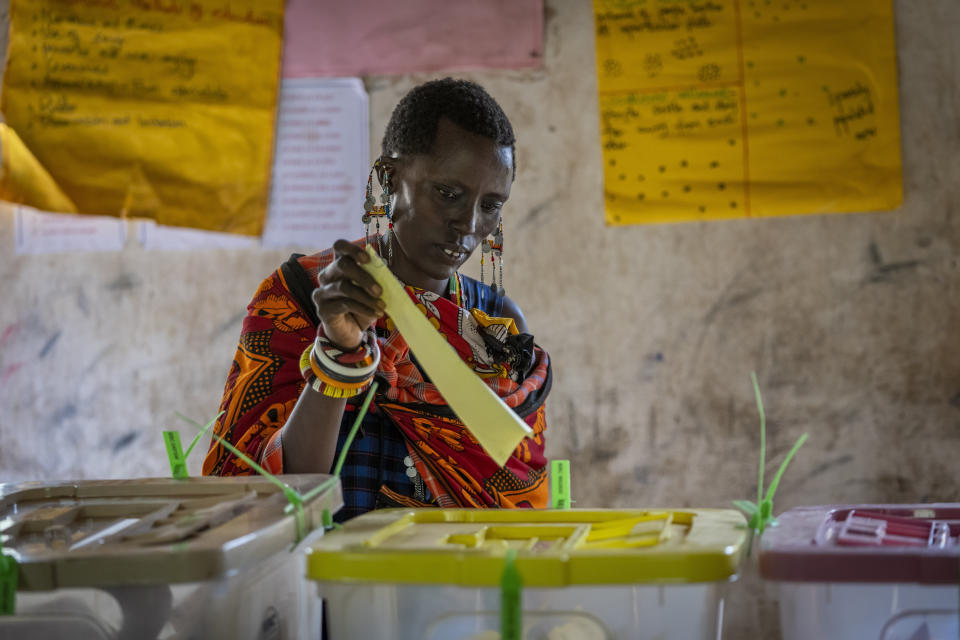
x,y
265,382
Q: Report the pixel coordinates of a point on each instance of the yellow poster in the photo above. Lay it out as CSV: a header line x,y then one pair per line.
x,y
713,109
161,109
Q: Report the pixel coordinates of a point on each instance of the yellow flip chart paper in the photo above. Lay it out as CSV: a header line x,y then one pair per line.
x,y
496,427
24,180
713,109
160,109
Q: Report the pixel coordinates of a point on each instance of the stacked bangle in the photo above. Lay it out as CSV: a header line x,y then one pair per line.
x,y
337,373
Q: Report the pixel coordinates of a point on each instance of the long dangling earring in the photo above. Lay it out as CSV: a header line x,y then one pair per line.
x,y
373,213
484,249
493,246
496,258
385,199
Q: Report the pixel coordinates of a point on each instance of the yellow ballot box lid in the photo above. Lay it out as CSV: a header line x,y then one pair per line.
x,y
555,548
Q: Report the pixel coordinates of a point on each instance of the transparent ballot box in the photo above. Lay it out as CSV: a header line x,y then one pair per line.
x,y
162,558
435,574
866,572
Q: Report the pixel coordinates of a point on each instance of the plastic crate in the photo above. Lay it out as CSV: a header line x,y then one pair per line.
x,y
866,572
160,558
587,574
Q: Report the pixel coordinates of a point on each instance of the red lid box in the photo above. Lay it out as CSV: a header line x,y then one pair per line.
x,y
916,543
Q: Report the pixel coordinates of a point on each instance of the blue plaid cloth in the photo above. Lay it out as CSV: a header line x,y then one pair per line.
x,y
375,459
376,455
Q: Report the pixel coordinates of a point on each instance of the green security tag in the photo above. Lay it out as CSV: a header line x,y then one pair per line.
x,y
511,604
175,453
178,464
299,517
760,513
560,484
178,461
294,499
8,584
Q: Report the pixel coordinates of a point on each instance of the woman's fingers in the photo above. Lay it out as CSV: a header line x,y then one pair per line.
x,y
344,248
347,269
344,296
347,266
347,297
348,290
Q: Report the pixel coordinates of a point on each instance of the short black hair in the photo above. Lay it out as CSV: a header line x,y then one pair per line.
x,y
413,126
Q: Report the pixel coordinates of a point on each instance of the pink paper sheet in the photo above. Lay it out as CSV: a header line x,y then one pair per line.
x,y
371,37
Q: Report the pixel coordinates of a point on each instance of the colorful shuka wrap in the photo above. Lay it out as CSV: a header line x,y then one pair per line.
x,y
265,382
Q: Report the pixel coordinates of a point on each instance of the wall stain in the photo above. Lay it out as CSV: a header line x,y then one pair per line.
x,y
642,474
891,487
728,299
125,441
536,211
884,271
82,303
732,301
714,312
608,441
914,431
826,466
8,333
65,412
700,412
228,323
123,282
648,367
100,356
652,428
8,371
48,345
602,449
549,13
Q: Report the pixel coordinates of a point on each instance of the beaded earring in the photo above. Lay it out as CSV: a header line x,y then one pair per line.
x,y
494,246
373,213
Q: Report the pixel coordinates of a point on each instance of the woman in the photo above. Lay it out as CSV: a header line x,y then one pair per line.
x,y
315,335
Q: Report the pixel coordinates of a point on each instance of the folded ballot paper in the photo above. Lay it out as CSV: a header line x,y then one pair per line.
x,y
498,429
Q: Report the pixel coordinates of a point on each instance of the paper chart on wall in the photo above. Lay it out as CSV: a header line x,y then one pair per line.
x,y
23,180
713,109
155,237
372,37
161,110
320,167
322,162
41,232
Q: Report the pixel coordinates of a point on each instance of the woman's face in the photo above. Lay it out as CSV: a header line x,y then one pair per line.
x,y
446,203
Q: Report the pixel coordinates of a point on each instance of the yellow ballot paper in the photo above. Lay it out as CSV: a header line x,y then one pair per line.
x,y
498,429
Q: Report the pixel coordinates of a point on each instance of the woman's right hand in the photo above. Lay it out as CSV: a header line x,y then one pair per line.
x,y
347,297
